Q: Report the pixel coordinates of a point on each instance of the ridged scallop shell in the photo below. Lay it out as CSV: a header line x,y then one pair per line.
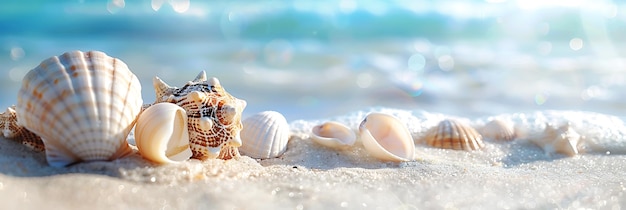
x,y
214,116
82,105
498,130
265,135
386,138
453,134
161,134
333,134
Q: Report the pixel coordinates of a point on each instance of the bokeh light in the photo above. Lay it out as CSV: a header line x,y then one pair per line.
x,y
576,44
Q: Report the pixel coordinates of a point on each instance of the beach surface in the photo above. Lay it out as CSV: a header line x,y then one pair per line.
x,y
503,175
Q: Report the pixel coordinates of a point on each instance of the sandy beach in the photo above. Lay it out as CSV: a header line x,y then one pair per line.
x,y
511,175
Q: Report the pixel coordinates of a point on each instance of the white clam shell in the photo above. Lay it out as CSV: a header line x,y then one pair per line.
x,y
499,130
161,133
386,138
264,135
333,134
83,106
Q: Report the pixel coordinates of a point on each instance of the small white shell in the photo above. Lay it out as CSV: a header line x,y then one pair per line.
x,y
333,134
161,134
386,138
264,135
83,106
500,130
563,140
453,134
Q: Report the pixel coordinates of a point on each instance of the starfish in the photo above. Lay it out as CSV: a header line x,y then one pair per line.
x,y
214,116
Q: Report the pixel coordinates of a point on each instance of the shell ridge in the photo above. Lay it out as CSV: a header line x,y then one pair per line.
x,y
273,133
59,151
58,155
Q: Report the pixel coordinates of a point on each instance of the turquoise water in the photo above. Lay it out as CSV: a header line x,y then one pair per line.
x,y
318,59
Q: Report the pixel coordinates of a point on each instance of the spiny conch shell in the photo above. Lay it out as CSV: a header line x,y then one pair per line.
x,y
563,140
498,130
334,135
82,105
214,116
265,135
386,138
11,130
453,134
161,133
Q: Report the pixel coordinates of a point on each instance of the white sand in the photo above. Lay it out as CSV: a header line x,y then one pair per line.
x,y
502,175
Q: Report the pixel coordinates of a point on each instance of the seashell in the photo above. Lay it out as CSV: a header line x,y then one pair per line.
x,y
333,134
452,134
214,116
161,133
563,140
386,138
11,130
498,130
265,135
82,105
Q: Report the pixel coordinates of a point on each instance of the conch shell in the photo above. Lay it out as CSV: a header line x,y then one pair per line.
x,y
11,130
386,138
82,105
214,116
161,134
563,140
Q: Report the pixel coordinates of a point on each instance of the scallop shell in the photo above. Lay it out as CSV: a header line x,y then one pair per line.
x,y
386,138
214,116
265,135
161,134
563,140
498,130
453,134
82,105
333,134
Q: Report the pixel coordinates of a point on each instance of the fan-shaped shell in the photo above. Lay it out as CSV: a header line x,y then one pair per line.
x,y
498,130
161,133
264,135
386,138
82,105
453,134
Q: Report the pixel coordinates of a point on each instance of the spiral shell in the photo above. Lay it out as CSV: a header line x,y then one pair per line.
x,y
214,116
497,129
386,138
453,134
161,134
334,135
265,135
562,139
82,105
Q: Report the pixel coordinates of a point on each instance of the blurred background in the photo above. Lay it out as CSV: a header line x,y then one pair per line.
x,y
319,59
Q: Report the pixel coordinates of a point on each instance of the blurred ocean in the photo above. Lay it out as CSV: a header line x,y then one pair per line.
x,y
318,59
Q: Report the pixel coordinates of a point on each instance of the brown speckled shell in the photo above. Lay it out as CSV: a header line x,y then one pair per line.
x,y
453,134
214,116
